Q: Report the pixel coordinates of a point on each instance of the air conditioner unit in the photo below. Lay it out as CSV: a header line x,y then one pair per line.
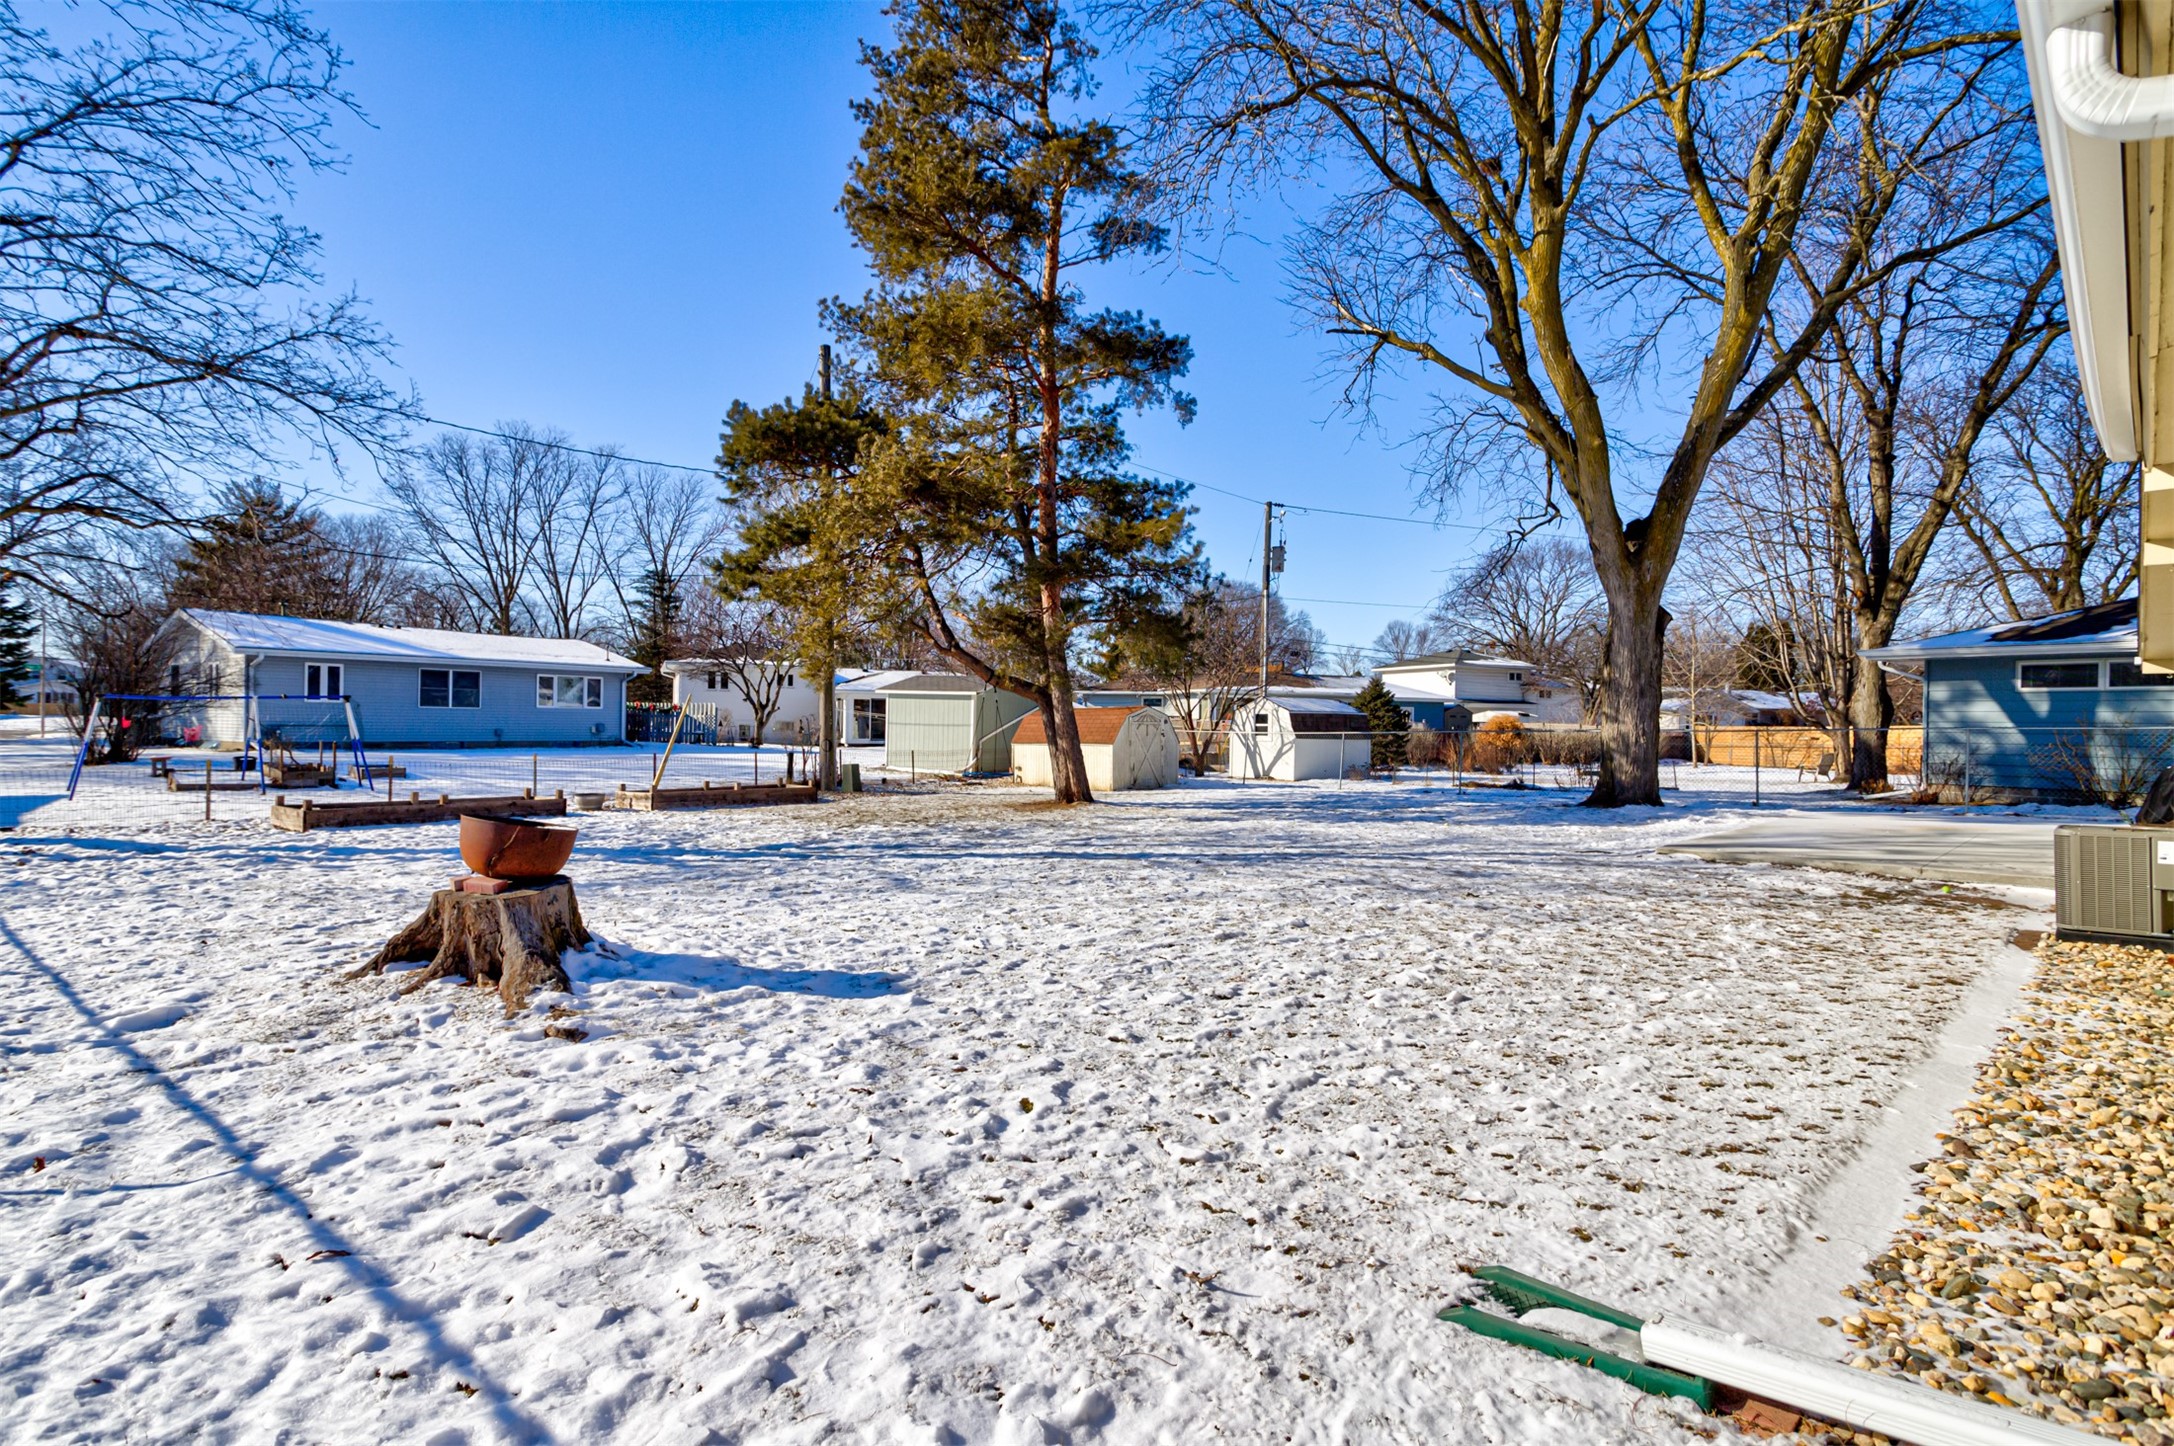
x,y
2115,883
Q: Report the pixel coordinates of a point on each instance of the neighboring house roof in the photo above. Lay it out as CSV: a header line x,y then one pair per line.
x,y
1313,705
681,667
933,683
852,681
1433,662
1750,700
270,636
2104,628
1097,726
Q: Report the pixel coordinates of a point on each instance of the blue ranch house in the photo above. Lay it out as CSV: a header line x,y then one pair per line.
x,y
2055,709
409,687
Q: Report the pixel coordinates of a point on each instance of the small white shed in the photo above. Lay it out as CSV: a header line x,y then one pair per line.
x,y
1126,748
1298,738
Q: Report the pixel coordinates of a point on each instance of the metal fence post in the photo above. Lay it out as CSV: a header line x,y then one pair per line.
x,y
207,790
1754,767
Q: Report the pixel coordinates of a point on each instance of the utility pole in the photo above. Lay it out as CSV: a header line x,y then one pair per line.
x,y
1268,551
826,727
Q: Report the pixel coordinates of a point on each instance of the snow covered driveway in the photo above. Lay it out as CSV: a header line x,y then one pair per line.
x,y
933,1119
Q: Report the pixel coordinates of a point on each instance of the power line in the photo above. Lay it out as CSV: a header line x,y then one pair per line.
x,y
568,447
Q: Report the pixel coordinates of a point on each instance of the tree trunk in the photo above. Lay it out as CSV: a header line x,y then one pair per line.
x,y
826,726
1630,706
1067,759
1871,713
512,941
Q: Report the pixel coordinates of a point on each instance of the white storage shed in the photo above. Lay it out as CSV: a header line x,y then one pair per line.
x,y
1126,748
1298,738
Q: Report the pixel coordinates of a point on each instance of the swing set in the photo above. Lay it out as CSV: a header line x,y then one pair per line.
x,y
255,730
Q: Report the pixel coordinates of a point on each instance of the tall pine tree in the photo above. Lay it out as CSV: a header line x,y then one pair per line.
x,y
260,553
999,495
656,635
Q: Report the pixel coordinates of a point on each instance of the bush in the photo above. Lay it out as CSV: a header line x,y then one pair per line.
x,y
1496,745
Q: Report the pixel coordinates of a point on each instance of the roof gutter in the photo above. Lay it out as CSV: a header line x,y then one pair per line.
x,y
2086,110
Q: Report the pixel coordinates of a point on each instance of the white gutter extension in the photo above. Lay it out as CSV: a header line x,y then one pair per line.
x,y
1900,1410
2086,109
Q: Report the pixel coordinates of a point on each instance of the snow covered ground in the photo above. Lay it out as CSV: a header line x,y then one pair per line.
x,y
938,1118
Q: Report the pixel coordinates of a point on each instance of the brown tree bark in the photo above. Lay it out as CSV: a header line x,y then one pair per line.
x,y
510,941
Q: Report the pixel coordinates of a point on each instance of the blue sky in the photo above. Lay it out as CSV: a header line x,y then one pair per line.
x,y
615,219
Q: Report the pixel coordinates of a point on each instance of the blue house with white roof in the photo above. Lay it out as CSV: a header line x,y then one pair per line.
x,y
2040,709
408,687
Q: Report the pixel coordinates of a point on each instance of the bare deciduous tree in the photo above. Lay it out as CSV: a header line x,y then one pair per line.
x,y
474,507
576,520
1217,667
156,326
670,525
2052,524
1534,600
1546,199
1923,369
749,643
1406,639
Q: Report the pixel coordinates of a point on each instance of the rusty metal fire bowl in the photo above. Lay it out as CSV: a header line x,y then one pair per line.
x,y
498,847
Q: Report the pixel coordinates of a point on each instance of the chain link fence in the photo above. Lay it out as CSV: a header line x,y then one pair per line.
x,y
2109,767
184,785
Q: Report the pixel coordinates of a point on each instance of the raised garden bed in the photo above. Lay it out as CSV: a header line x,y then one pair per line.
x,y
298,775
305,814
734,795
181,781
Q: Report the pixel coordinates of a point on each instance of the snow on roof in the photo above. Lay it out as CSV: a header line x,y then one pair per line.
x,y
1455,658
319,637
852,680
1752,698
2104,628
934,683
1291,704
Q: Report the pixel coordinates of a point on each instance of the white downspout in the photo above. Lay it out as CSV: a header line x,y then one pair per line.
x,y
2092,94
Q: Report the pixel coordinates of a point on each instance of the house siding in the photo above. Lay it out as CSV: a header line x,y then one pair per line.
x,y
1978,720
389,713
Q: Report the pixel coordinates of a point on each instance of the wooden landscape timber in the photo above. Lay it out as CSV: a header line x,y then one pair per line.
x,y
305,814
735,795
180,782
298,775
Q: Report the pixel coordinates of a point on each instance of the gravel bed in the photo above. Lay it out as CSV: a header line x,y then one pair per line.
x,y
2037,1267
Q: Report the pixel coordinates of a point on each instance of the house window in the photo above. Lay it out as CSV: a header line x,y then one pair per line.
x,y
1260,721
2057,675
451,688
869,719
568,690
322,680
2129,673
173,678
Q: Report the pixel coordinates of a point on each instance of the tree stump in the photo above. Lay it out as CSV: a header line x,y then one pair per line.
x,y
511,940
